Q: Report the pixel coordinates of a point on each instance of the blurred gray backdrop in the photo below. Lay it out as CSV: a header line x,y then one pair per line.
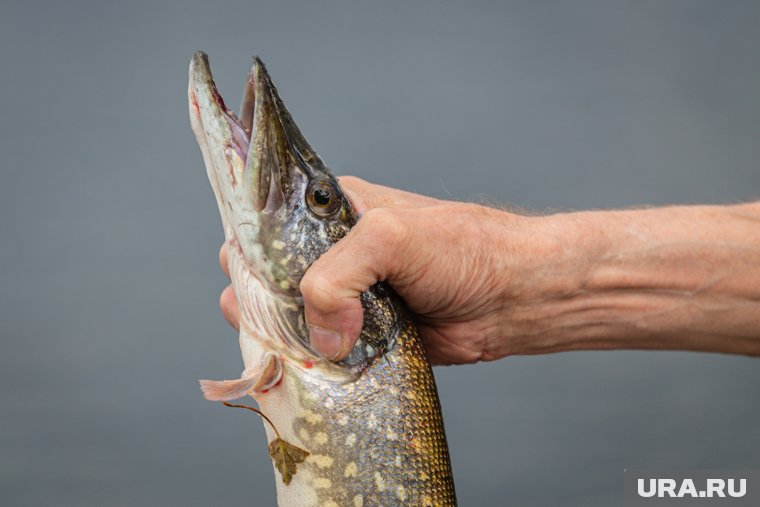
x,y
109,232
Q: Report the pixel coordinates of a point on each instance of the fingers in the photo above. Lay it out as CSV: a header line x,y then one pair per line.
x,y
229,306
332,285
366,196
227,301
223,259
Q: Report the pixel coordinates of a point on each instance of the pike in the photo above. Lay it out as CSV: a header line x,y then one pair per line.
x,y
364,431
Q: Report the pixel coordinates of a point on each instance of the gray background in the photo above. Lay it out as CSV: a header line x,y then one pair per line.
x,y
109,232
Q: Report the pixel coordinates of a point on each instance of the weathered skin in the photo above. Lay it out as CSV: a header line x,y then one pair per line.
x,y
372,423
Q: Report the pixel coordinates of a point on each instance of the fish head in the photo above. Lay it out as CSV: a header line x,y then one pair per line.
x,y
281,208
279,203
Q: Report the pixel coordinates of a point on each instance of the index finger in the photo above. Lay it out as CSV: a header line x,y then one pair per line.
x,y
365,196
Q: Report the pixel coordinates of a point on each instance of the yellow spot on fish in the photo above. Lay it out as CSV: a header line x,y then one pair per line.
x,y
401,493
312,418
424,476
410,395
358,501
320,438
321,483
304,433
427,501
321,460
396,410
351,440
343,420
379,482
371,421
330,503
350,470
391,435
278,245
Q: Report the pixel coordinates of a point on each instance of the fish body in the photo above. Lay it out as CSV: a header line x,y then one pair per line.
x,y
365,431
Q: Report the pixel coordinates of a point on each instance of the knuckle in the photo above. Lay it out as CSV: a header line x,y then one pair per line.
x,y
223,255
384,224
226,299
223,303
228,307
316,290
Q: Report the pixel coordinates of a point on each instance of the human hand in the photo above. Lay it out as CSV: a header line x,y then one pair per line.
x,y
441,257
485,283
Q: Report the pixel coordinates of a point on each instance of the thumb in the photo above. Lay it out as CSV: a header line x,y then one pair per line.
x,y
331,287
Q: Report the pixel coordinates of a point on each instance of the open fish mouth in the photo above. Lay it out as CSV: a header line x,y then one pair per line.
x,y
237,148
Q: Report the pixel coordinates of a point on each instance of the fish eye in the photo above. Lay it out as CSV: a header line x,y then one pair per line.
x,y
323,198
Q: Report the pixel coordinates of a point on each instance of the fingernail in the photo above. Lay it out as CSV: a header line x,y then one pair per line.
x,y
324,341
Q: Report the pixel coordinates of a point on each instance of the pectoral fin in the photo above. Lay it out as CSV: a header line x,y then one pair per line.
x,y
264,377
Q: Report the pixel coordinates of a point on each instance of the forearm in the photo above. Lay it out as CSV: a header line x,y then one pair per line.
x,y
685,278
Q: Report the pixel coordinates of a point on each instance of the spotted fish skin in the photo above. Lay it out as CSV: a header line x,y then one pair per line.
x,y
371,424
376,441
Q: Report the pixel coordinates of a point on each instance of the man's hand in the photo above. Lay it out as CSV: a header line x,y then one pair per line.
x,y
437,255
485,283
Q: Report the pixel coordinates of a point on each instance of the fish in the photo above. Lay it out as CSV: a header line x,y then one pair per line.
x,y
363,431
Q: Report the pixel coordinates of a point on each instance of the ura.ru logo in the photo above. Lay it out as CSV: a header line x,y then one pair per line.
x,y
714,488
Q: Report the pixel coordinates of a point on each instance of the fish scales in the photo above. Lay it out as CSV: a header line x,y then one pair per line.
x,y
383,443
368,430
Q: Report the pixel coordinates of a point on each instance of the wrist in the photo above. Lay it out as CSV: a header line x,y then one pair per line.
x,y
540,265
